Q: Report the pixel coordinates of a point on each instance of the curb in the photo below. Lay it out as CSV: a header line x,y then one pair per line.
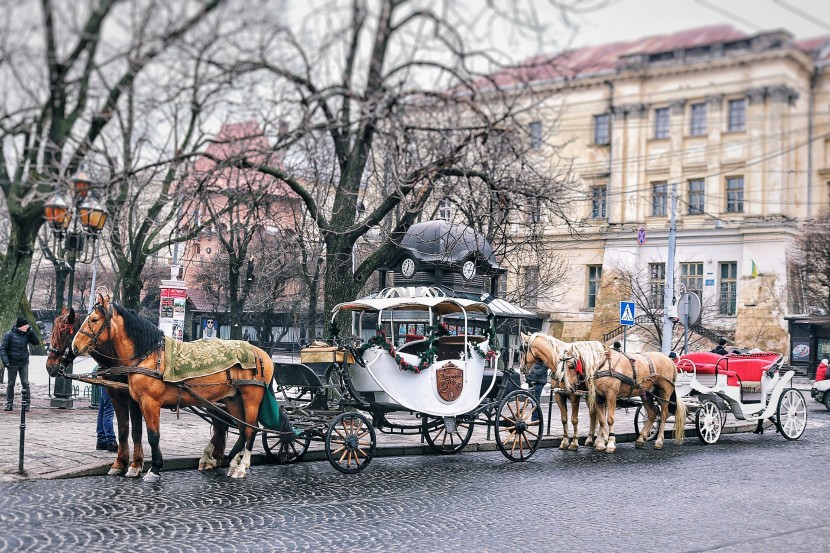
x,y
188,463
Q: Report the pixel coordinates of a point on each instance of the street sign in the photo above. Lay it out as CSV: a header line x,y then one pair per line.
x,y
641,236
689,303
627,313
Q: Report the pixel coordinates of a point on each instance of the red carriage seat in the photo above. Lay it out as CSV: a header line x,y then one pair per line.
x,y
751,366
705,361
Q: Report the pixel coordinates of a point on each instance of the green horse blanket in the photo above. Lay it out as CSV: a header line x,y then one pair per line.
x,y
183,360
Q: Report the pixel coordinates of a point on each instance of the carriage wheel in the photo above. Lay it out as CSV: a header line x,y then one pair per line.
x,y
517,436
827,399
350,442
441,441
335,392
640,418
284,452
708,422
791,414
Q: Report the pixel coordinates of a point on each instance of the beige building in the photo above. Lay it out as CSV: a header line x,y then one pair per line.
x,y
738,125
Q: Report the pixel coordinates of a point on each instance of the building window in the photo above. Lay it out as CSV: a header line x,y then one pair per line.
x,y
691,275
536,135
501,291
737,115
659,198
657,284
698,124
734,194
534,214
697,189
728,288
602,129
444,210
530,285
661,123
594,278
598,202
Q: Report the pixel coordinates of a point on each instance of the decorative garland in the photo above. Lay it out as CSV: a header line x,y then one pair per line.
x,y
491,342
426,358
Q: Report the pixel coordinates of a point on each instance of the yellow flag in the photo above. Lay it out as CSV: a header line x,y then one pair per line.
x,y
754,269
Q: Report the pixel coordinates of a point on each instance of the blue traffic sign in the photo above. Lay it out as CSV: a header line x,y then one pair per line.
x,y
627,313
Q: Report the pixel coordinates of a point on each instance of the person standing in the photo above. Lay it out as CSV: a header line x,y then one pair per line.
x,y
14,353
537,377
821,370
106,435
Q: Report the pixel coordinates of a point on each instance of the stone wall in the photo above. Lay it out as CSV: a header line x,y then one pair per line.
x,y
761,310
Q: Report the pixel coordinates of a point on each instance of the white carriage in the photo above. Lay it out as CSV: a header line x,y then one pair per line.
x,y
749,386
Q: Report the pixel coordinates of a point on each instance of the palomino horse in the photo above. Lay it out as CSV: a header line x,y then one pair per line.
x,y
546,349
139,348
60,355
612,375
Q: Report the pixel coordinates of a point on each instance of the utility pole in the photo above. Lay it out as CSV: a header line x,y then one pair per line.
x,y
668,297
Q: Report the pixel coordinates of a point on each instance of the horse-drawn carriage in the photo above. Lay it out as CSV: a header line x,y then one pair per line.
x,y
446,376
749,386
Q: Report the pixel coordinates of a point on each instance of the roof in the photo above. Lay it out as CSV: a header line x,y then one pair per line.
x,y
499,307
410,301
609,58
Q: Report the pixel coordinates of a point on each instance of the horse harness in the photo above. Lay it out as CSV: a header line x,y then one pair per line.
x,y
625,379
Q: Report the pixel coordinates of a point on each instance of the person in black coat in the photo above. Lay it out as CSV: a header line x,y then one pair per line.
x,y
537,377
14,353
719,349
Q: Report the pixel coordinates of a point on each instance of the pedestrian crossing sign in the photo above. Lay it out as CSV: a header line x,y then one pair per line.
x,y
627,313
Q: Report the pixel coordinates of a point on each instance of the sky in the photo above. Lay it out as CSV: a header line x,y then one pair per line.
x,y
631,19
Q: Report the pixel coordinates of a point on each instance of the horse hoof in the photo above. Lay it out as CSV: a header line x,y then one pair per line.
x,y
639,445
133,472
151,477
599,448
116,472
589,443
573,447
611,449
238,473
658,446
563,445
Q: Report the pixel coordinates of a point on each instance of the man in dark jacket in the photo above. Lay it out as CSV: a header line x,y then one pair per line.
x,y
719,349
537,377
14,352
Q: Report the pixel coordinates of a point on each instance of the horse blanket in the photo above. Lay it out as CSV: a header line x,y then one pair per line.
x,y
184,360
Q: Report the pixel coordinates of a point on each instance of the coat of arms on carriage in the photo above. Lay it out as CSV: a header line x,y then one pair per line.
x,y
449,381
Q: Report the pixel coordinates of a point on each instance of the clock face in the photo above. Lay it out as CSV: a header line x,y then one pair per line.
x,y
469,270
408,268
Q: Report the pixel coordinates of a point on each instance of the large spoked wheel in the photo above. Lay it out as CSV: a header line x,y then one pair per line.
x,y
335,390
517,435
444,441
350,442
827,399
640,418
286,451
708,422
791,415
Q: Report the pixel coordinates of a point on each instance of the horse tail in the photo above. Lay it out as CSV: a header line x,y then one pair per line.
x,y
679,418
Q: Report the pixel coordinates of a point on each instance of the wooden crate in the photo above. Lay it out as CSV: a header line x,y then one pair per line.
x,y
325,355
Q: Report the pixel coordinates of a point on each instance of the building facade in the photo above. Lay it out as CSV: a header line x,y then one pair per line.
x,y
735,127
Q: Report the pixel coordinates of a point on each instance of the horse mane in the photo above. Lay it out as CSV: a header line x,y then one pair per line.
x,y
591,353
144,334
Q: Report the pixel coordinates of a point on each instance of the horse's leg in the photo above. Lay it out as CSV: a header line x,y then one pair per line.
x,y
122,417
236,410
563,413
610,406
151,409
575,422
651,415
598,414
215,449
251,398
664,412
137,421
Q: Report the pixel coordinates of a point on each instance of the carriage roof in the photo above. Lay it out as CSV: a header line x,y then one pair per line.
x,y
413,299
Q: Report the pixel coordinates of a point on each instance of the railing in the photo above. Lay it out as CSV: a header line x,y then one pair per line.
x,y
697,329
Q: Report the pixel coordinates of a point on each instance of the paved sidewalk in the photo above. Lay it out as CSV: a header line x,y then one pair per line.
x,y
60,443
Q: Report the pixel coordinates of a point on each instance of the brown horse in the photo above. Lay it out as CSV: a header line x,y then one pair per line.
x,y
612,375
547,349
60,355
139,348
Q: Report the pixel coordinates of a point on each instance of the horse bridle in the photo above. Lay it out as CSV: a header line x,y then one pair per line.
x,y
105,325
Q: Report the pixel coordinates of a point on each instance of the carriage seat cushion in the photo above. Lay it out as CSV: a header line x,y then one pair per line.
x,y
750,370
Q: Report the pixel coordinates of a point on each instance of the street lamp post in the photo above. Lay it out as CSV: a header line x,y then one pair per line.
x,y
76,227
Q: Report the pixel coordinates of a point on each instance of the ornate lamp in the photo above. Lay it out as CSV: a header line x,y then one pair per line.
x,y
56,212
93,215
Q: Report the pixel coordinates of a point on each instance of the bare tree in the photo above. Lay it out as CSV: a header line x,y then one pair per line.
x,y
65,69
809,266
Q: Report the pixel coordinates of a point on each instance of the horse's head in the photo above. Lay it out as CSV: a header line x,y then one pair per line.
x,y
569,369
96,329
59,355
538,348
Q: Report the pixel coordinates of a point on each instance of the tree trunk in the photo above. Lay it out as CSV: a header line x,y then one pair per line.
x,y
15,267
339,285
131,286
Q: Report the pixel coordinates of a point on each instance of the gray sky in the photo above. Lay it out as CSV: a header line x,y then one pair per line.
x,y
630,19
